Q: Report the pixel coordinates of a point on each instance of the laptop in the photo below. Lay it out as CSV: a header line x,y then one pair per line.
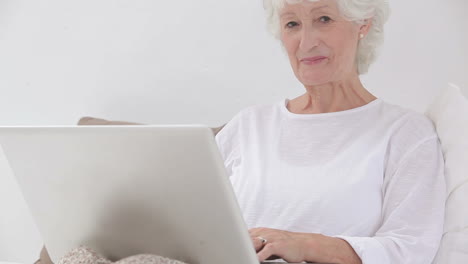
x,y
126,190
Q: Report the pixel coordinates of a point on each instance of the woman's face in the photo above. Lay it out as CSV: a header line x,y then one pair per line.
x,y
321,45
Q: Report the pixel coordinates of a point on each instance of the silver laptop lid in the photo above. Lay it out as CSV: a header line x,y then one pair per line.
x,y
125,190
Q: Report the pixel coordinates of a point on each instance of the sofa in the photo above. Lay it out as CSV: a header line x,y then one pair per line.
x,y
449,113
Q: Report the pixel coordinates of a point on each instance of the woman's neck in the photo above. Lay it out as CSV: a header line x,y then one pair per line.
x,y
331,97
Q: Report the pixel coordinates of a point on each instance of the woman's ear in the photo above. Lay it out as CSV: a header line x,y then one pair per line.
x,y
365,27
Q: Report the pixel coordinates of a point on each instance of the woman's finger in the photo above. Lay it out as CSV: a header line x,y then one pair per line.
x,y
267,251
257,242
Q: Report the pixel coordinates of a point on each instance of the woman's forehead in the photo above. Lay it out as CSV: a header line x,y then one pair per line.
x,y
308,6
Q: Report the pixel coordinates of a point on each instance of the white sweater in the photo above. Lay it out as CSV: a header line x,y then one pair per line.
x,y
372,175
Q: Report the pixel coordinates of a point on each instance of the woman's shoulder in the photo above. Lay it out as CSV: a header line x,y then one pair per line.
x,y
409,122
412,141
409,131
256,111
248,117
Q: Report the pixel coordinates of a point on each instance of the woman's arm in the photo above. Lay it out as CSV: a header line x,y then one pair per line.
x,y
412,220
338,250
413,210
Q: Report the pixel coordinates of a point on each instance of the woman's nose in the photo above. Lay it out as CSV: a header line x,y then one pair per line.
x,y
309,39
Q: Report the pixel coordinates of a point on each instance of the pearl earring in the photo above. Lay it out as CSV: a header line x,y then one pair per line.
x,y
361,36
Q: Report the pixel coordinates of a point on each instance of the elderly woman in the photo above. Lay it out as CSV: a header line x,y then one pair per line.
x,y
335,175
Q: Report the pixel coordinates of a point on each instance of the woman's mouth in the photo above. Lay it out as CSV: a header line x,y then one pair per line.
x,y
313,60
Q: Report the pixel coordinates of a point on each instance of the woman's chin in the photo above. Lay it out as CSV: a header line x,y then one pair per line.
x,y
312,78
314,81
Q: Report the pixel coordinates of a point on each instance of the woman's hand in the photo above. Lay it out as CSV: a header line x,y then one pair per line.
x,y
298,247
279,244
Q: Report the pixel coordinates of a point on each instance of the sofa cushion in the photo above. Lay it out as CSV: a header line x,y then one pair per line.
x,y
92,121
449,112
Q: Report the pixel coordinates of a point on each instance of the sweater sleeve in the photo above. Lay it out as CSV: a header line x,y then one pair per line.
x,y
413,210
228,141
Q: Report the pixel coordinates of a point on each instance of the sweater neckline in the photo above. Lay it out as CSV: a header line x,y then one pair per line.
x,y
369,105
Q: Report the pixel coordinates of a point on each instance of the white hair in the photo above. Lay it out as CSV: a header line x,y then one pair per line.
x,y
352,10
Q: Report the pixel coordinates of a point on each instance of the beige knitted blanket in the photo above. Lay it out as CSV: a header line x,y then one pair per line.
x,y
83,255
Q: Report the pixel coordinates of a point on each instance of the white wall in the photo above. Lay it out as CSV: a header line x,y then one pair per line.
x,y
183,61
426,47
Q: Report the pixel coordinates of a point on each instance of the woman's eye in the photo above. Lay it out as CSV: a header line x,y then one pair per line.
x,y
291,24
325,19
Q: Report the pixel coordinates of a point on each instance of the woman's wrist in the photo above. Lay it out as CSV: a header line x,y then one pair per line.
x,y
330,250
